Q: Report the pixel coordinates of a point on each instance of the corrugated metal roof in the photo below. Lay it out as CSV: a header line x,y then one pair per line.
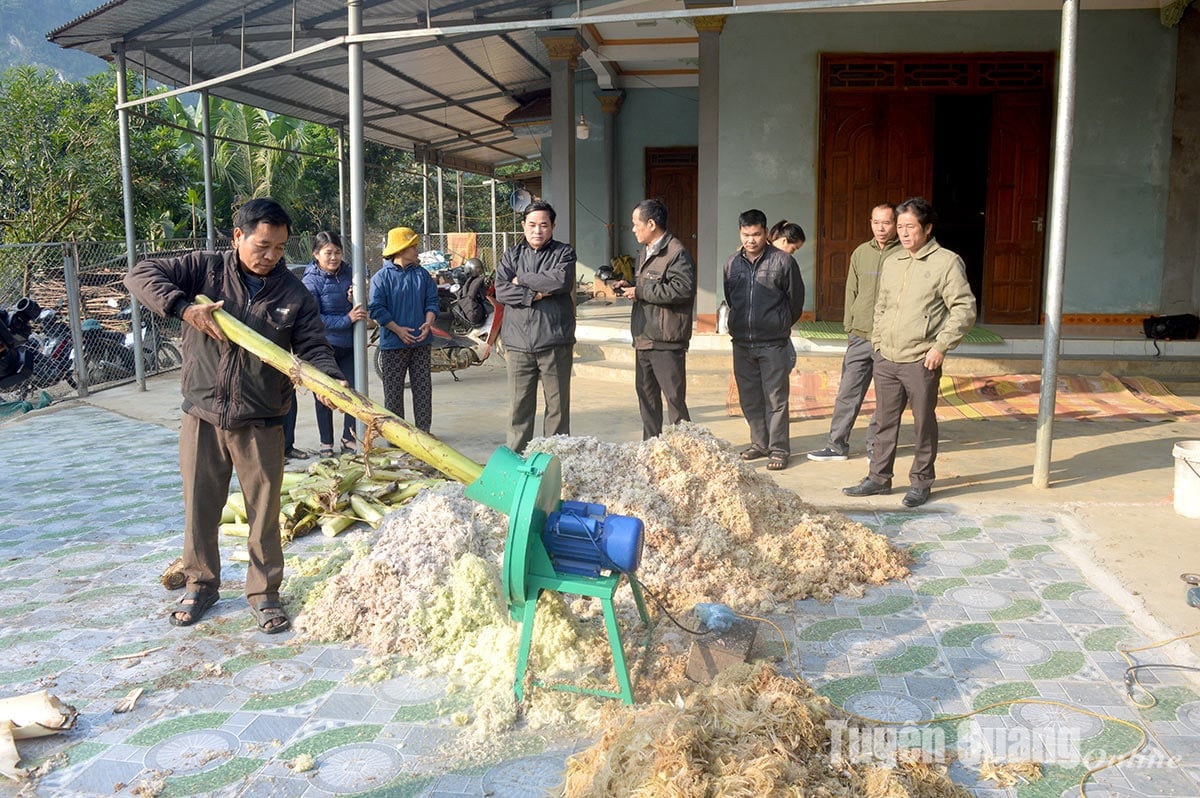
x,y
448,92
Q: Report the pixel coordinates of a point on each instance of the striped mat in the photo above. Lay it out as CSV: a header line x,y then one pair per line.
x,y
1102,398
832,331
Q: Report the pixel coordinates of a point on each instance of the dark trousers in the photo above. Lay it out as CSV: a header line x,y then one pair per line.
x,y
413,363
857,368
289,425
550,367
659,373
345,360
761,372
898,385
208,456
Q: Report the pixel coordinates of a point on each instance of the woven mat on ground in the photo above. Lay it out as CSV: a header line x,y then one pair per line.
x,y
832,331
1103,398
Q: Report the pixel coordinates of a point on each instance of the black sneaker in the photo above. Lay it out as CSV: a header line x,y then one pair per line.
x,y
828,454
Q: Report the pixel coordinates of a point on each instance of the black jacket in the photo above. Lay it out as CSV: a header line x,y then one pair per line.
x,y
765,299
666,292
222,383
549,322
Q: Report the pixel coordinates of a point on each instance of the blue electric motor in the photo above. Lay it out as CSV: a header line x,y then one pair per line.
x,y
581,539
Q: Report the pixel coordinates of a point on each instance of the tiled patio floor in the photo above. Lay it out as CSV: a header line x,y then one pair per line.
x,y
90,514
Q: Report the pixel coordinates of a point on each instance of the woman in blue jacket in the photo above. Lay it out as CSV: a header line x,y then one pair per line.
x,y
404,303
329,278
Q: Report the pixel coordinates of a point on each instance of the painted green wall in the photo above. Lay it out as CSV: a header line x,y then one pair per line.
x,y
769,113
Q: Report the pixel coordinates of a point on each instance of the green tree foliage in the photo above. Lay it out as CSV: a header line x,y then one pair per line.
x,y
60,160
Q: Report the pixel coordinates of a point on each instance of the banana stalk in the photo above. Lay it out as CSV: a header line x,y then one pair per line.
x,y
333,525
366,510
394,429
31,715
235,529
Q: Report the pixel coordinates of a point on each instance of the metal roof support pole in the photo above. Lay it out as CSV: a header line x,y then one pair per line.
x,y
1059,197
610,105
139,364
708,120
206,154
458,189
495,253
341,151
441,199
563,46
358,251
424,193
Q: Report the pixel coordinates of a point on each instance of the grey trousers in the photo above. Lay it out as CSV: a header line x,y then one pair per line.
x,y
898,385
761,372
659,373
857,368
551,367
207,458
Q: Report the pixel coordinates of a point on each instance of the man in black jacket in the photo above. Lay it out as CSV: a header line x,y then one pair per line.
x,y
663,293
765,294
535,281
234,404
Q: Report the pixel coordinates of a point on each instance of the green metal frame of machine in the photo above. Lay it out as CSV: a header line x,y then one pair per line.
x,y
529,490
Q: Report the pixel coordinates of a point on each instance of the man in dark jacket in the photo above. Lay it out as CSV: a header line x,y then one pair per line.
x,y
535,281
233,403
663,293
765,294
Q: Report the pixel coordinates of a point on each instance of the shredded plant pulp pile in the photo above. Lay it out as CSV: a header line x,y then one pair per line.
x,y
716,531
751,733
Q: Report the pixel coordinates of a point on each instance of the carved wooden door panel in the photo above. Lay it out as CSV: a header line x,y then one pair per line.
x,y
1016,208
876,147
672,175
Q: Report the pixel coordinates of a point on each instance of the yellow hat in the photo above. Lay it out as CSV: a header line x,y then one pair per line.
x,y
398,240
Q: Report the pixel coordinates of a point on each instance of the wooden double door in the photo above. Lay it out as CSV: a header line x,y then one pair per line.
x,y
969,133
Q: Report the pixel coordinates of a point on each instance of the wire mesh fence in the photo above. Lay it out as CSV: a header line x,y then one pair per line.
x,y
70,314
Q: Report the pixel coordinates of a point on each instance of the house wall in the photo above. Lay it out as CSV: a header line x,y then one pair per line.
x,y
1125,84
648,118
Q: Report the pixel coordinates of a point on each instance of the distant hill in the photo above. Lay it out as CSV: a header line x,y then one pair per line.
x,y
23,28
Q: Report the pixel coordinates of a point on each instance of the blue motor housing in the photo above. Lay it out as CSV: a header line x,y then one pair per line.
x,y
581,539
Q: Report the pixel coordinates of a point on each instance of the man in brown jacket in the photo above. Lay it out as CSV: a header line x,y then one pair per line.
x,y
663,293
233,403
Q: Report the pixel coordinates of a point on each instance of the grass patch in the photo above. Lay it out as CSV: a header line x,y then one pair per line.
x,y
297,695
839,690
1020,608
1001,693
1060,665
235,769
152,735
964,533
986,568
889,606
938,587
913,659
1060,591
1029,552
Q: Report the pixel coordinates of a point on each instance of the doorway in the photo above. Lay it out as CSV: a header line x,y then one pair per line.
x,y
961,133
672,176
971,134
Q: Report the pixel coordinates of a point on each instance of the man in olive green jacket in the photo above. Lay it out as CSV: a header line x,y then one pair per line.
x,y
923,308
862,281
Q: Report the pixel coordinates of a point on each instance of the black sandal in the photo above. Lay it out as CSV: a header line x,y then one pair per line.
x,y
268,611
778,462
753,453
201,601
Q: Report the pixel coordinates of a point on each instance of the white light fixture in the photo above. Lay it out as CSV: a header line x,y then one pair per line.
x,y
582,130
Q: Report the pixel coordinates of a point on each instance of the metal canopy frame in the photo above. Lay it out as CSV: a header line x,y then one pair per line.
x,y
416,71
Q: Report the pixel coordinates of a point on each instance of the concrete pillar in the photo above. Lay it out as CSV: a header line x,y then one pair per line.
x,y
610,104
708,259
563,45
1181,251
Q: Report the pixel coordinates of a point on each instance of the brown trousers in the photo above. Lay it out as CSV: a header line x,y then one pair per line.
x,y
900,385
207,458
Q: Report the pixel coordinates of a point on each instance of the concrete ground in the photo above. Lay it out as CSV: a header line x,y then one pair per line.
x,y
1016,592
1114,478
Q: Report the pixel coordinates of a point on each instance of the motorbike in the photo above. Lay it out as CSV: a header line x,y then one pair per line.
x,y
29,361
105,356
158,353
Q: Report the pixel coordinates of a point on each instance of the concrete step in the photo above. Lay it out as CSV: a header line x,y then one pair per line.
x,y
701,359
